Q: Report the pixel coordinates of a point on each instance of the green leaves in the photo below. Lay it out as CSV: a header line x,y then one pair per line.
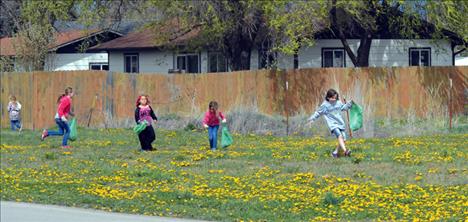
x,y
293,24
449,15
45,11
235,27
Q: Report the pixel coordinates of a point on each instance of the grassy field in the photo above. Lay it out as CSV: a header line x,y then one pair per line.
x,y
259,178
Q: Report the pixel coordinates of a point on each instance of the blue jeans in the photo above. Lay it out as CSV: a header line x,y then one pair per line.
x,y
64,130
337,132
15,124
213,136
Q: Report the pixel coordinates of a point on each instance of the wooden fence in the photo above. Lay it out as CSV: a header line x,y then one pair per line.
x,y
100,96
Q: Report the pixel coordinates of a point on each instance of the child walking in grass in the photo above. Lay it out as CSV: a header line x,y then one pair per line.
x,y
14,108
211,121
61,118
144,112
331,109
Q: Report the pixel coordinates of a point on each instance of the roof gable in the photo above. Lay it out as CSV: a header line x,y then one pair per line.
x,y
170,33
62,39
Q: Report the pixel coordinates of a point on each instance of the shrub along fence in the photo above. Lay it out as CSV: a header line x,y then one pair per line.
x,y
107,99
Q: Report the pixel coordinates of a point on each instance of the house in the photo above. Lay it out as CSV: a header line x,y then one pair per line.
x,y
141,52
461,61
68,52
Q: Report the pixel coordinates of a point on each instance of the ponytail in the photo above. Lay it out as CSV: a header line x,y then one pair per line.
x,y
59,98
68,90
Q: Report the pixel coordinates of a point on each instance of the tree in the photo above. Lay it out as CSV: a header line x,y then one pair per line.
x,y
33,23
447,15
9,17
231,27
235,27
35,33
365,20
293,24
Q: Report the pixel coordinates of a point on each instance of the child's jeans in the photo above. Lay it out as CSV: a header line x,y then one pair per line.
x,y
15,124
213,136
337,132
64,130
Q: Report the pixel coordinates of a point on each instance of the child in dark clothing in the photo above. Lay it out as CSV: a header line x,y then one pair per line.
x,y
144,112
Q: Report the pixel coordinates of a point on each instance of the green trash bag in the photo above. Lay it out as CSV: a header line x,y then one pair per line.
x,y
73,131
226,138
355,117
140,127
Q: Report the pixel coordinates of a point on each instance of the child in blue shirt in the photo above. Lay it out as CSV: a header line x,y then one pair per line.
x,y
331,109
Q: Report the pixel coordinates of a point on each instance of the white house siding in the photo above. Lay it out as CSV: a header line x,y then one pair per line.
x,y
116,62
73,61
148,61
461,61
254,59
155,61
285,61
151,61
384,52
204,61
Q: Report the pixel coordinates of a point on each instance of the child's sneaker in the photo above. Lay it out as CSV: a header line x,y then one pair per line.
x,y
347,153
334,155
66,147
44,134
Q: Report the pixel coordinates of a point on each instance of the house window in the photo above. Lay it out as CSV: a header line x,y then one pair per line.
x,y
217,62
98,66
131,63
188,62
333,57
420,56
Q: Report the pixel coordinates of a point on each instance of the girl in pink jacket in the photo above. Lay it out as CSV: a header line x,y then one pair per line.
x,y
211,121
61,118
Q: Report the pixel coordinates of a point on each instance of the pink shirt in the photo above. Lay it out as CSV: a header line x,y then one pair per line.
x,y
64,106
145,114
211,119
